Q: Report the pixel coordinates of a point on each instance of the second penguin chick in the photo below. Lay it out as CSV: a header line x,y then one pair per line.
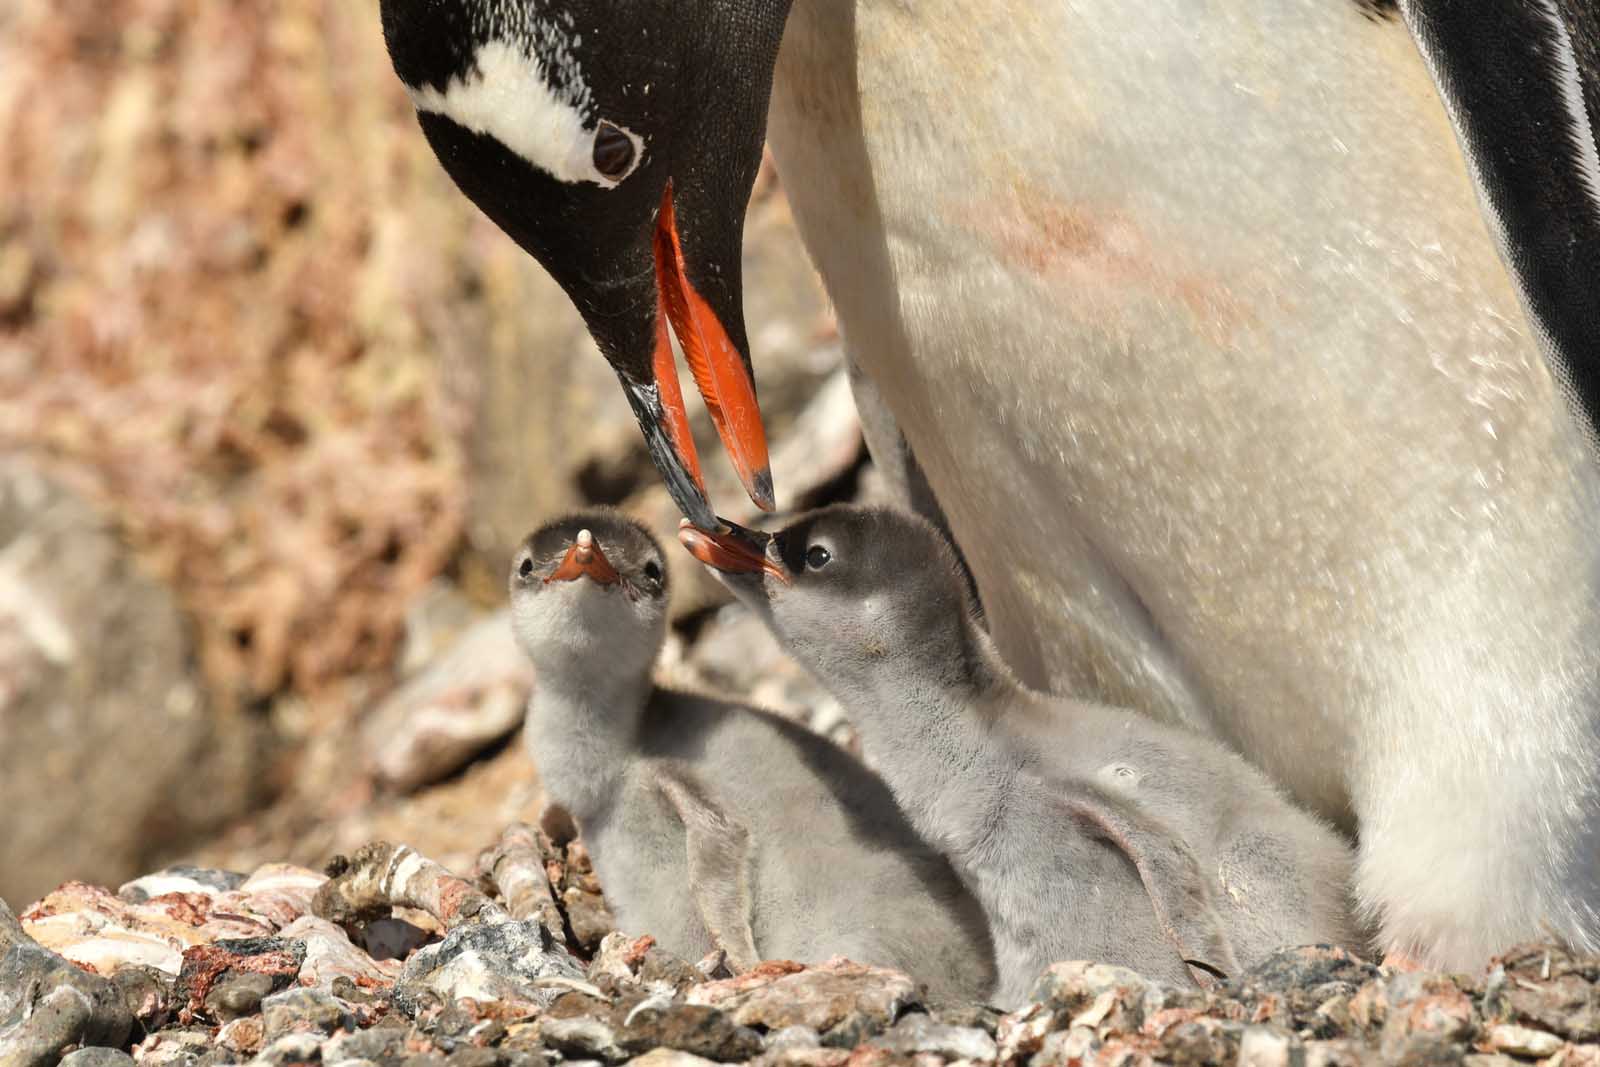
x,y
713,825
1085,831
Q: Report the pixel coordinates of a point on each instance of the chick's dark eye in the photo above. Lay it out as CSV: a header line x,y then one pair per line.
x,y
652,571
613,151
525,569
817,558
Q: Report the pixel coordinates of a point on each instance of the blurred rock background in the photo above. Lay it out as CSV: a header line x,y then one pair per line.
x,y
275,405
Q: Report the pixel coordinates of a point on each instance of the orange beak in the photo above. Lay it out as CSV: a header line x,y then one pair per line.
x,y
720,371
585,560
726,551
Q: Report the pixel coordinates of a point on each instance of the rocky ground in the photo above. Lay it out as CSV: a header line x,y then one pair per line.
x,y
393,960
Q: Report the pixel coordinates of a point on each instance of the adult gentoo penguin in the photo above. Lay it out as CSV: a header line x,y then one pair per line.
x,y
1195,328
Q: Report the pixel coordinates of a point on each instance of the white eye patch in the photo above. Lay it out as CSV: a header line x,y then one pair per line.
x,y
509,96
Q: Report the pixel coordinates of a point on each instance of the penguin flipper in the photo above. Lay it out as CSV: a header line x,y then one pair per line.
x,y
1520,80
719,867
1171,875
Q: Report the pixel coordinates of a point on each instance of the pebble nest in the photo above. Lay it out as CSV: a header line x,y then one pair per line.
x,y
390,959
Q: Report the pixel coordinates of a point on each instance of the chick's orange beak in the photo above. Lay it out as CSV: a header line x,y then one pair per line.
x,y
728,552
585,560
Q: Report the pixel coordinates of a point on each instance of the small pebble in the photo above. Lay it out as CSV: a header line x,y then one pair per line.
x,y
237,994
1523,1041
97,1057
1264,1046
292,1049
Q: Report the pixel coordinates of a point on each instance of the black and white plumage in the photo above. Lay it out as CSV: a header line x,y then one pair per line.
x,y
1201,340
1521,80
523,102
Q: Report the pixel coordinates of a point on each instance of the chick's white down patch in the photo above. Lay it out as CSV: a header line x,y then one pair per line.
x,y
508,95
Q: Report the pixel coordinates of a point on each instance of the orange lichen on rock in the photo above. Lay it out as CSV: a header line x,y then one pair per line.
x,y
216,312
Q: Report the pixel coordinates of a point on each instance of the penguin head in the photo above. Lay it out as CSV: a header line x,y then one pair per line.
x,y
845,586
617,143
589,591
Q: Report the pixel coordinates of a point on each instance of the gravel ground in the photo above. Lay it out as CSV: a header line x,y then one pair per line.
x,y
394,960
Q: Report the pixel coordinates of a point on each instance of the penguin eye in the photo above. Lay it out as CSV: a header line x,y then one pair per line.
x,y
817,558
613,152
525,569
652,571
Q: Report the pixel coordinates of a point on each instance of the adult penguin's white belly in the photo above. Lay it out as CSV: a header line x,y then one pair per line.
x,y
1231,408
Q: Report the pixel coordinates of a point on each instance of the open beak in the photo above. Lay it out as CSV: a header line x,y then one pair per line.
x,y
585,560
722,373
732,549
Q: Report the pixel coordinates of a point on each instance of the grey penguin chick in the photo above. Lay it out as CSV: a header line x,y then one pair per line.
x,y
1085,831
711,824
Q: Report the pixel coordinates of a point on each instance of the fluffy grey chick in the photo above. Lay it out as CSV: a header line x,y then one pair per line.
x,y
713,825
1085,831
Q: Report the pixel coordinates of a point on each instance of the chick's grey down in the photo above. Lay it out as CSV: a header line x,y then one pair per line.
x,y
711,824
1086,832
